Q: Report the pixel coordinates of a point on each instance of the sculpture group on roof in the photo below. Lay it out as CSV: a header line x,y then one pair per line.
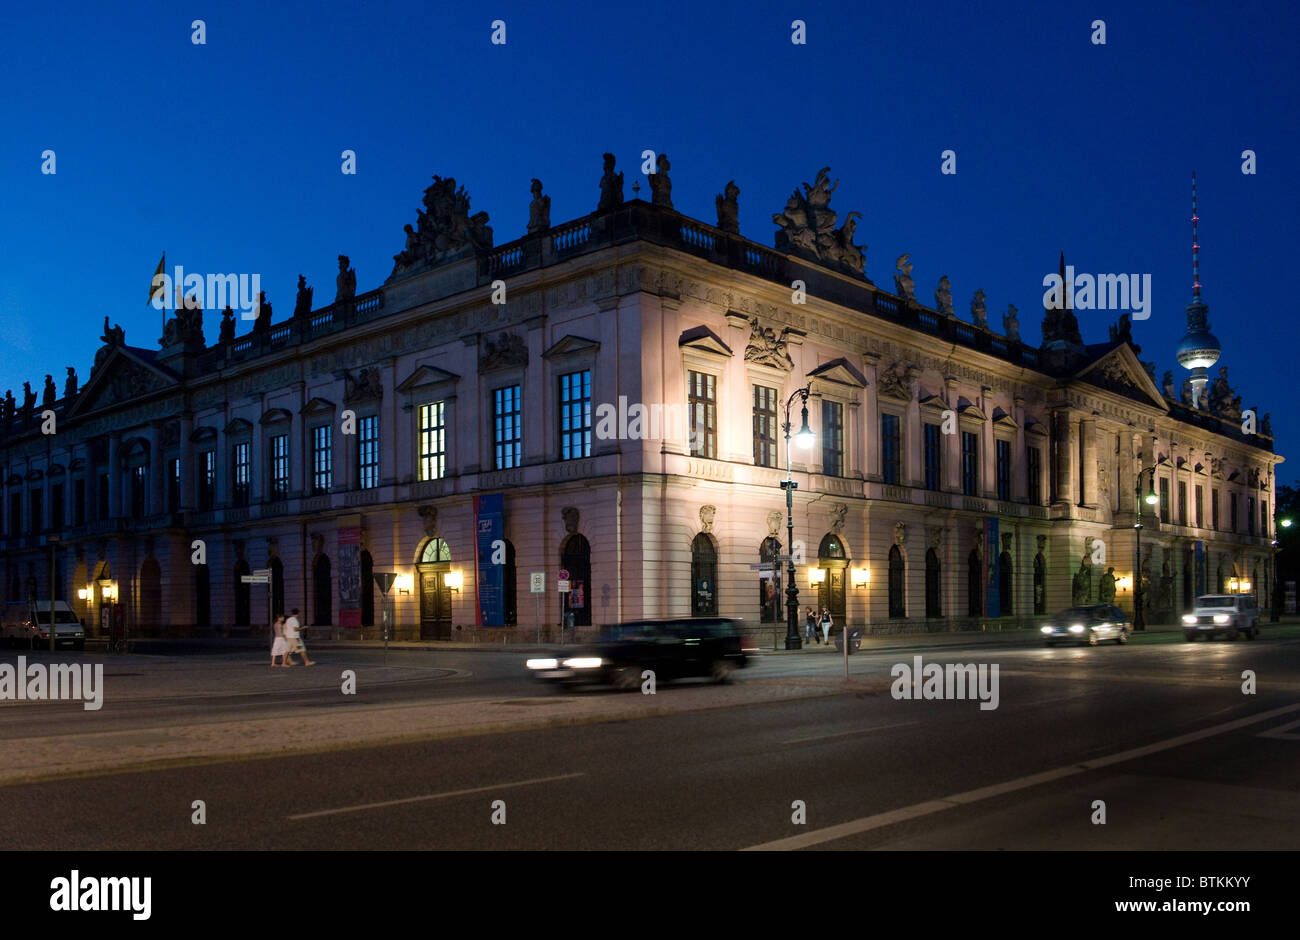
x,y
444,228
808,227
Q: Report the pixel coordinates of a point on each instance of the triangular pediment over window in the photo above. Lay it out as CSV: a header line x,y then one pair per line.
x,y
1035,427
968,409
425,376
703,339
841,372
571,345
275,416
1119,371
238,426
1003,419
933,402
317,406
124,374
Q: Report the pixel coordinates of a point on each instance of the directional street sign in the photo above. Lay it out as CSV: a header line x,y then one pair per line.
x,y
564,587
537,582
262,572
255,579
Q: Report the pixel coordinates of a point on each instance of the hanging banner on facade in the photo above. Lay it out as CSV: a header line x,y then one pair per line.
x,y
489,549
1200,568
992,597
349,576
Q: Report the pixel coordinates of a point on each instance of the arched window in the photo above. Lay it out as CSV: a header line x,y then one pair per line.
x,y
436,550
932,605
1040,584
1006,605
897,600
974,585
367,590
243,595
831,547
704,576
769,582
322,591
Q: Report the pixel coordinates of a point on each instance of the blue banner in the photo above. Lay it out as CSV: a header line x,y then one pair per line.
x,y
1200,568
490,554
992,565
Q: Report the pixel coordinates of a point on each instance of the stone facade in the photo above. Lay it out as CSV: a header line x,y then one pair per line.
x,y
647,303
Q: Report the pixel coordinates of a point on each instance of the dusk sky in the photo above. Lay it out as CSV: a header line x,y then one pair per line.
x,y
227,155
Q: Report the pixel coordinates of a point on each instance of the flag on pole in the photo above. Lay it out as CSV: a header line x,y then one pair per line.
x,y
155,287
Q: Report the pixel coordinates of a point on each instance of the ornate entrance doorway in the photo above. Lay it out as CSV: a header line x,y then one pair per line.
x,y
833,559
435,596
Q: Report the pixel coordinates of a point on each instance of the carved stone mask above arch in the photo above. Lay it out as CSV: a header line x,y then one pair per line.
x,y
571,518
838,511
706,517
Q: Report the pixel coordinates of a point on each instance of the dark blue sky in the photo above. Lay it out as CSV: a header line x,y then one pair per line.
x,y
228,154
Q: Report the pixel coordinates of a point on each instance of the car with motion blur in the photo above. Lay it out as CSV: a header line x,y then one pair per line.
x,y
1097,623
672,649
27,625
1231,615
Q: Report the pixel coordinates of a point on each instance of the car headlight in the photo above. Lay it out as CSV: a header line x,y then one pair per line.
x,y
542,663
1189,618
1047,629
1221,618
1076,628
583,662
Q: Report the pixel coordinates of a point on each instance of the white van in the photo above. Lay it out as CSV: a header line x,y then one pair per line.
x,y
1232,615
28,625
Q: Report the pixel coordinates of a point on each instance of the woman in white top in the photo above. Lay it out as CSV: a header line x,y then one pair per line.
x,y
281,646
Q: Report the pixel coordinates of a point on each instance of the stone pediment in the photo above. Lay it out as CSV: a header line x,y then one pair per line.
x,y
968,409
571,345
122,375
1035,427
841,372
317,406
274,416
1002,418
1120,372
425,376
238,426
705,340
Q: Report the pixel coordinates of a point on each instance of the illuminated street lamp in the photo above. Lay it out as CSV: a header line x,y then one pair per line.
x,y
1277,588
804,438
1139,619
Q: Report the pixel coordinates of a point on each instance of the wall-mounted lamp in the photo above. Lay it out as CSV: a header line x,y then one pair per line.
x,y
816,575
108,591
453,580
82,594
860,577
1124,583
404,583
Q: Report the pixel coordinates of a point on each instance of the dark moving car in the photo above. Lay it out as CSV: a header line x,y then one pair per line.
x,y
672,649
1090,625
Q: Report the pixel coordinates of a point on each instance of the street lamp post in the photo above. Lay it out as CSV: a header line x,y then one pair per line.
x,y
1277,588
804,438
1139,618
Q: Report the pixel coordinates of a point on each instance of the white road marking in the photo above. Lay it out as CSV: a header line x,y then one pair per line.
x,y
880,820
1282,732
844,734
433,796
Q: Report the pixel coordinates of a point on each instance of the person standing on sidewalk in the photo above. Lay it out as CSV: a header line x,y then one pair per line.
x,y
292,633
826,625
280,647
810,628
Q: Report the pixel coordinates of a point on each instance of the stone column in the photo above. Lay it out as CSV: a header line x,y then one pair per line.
x,y
157,473
952,445
1063,448
1020,470
114,474
1088,470
187,462
297,449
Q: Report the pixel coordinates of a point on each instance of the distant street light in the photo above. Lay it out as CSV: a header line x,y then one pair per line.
x,y
1139,619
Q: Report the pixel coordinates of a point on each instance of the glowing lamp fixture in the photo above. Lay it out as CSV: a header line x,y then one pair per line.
x,y
1286,523
816,575
860,577
805,436
1124,584
454,580
82,593
404,583
1152,498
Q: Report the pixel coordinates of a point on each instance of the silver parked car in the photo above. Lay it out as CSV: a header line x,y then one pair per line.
x,y
1232,615
1090,625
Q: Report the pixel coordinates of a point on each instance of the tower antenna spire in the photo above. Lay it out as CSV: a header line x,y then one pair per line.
x,y
1196,248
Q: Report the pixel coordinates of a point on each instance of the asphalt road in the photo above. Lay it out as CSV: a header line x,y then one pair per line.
x,y
1160,731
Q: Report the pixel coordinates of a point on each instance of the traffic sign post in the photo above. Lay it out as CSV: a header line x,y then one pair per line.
x,y
563,587
385,579
537,584
262,576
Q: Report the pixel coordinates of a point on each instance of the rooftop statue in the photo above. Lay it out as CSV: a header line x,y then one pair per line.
x,y
539,210
978,311
263,322
7,406
611,186
29,399
903,285
346,282
227,334
661,187
70,383
808,227
302,304
50,393
444,228
943,297
1011,323
113,336
729,208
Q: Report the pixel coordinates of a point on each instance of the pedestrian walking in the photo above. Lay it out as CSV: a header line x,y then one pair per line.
x,y
280,647
826,625
810,627
293,633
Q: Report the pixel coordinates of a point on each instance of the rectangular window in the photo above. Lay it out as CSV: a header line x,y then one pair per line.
x,y
833,438
1232,511
174,484
368,452
507,431
1182,503
79,502
701,395
970,463
56,506
139,487
239,473
280,467
1200,505
101,504
433,441
37,500
1003,456
575,415
764,426
207,479
1214,510
932,441
1034,464
1250,515
1164,499
891,449
322,459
